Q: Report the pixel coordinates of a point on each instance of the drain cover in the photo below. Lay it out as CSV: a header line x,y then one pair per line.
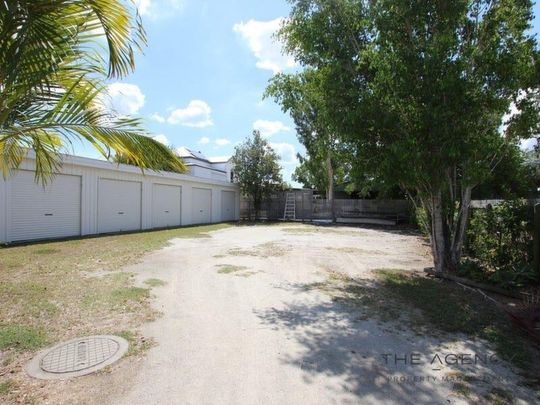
x,y
77,357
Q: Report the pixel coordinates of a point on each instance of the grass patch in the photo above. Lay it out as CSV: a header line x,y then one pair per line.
x,y
155,282
462,389
122,295
48,286
302,230
138,344
353,250
6,387
247,274
21,337
269,249
430,306
499,396
45,251
230,268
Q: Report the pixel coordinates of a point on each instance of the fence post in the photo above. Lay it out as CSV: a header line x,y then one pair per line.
x,y
536,235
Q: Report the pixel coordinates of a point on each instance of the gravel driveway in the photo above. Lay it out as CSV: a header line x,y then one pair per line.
x,y
239,325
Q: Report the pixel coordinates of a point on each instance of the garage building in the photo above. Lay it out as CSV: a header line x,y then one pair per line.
x,y
90,196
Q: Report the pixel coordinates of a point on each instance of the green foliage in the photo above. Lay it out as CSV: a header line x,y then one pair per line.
x,y
21,337
421,90
511,178
305,96
256,169
53,76
501,240
421,220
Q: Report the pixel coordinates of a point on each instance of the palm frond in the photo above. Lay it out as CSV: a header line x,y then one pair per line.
x,y
52,74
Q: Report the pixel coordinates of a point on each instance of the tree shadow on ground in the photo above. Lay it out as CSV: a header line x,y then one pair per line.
x,y
357,340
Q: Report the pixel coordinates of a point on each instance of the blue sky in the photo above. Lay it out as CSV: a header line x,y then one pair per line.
x,y
200,81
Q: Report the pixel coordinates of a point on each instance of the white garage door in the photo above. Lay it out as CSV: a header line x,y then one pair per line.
x,y
201,206
39,212
166,206
119,205
228,203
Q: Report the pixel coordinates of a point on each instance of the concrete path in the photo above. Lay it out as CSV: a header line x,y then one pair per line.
x,y
256,335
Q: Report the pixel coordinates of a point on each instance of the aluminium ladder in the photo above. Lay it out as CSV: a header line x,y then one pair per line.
x,y
290,207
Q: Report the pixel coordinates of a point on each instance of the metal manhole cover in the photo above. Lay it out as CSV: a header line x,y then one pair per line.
x,y
77,357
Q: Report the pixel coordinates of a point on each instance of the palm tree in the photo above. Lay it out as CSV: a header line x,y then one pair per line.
x,y
52,80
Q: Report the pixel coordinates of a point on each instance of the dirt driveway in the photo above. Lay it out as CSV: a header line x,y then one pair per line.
x,y
241,326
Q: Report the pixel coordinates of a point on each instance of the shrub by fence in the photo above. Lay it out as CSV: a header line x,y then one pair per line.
x,y
500,242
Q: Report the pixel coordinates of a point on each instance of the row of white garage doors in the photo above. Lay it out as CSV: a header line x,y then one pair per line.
x,y
55,211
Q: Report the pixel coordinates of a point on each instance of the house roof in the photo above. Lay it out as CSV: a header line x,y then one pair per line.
x,y
189,153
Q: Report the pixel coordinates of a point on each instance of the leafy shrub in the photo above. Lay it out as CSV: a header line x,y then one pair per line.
x,y
501,240
421,220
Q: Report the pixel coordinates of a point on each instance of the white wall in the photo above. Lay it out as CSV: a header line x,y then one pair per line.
x,y
91,170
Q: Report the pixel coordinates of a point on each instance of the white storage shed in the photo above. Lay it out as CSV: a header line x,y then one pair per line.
x,y
90,196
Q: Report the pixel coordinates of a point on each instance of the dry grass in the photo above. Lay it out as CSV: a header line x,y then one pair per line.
x,y
354,251
430,307
47,296
314,229
269,249
230,268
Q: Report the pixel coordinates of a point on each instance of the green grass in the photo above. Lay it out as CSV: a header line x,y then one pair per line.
x,y
462,389
138,344
430,306
122,295
499,396
21,337
47,285
230,268
155,282
45,251
6,387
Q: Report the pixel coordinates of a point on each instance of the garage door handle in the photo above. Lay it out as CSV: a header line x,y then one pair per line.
x,y
49,215
121,213
166,211
200,210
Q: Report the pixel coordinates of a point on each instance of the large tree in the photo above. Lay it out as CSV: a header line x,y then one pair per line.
x,y
305,97
256,169
424,88
55,57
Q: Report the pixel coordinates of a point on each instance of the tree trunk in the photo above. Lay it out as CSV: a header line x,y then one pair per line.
x,y
447,234
257,207
330,188
461,228
438,245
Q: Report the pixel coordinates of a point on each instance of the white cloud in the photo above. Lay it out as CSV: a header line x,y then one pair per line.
x,y
528,144
162,139
143,6
196,114
124,98
266,48
219,159
204,140
269,128
222,141
158,8
157,117
286,152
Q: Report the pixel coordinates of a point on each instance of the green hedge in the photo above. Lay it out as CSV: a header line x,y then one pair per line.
x,y
500,245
